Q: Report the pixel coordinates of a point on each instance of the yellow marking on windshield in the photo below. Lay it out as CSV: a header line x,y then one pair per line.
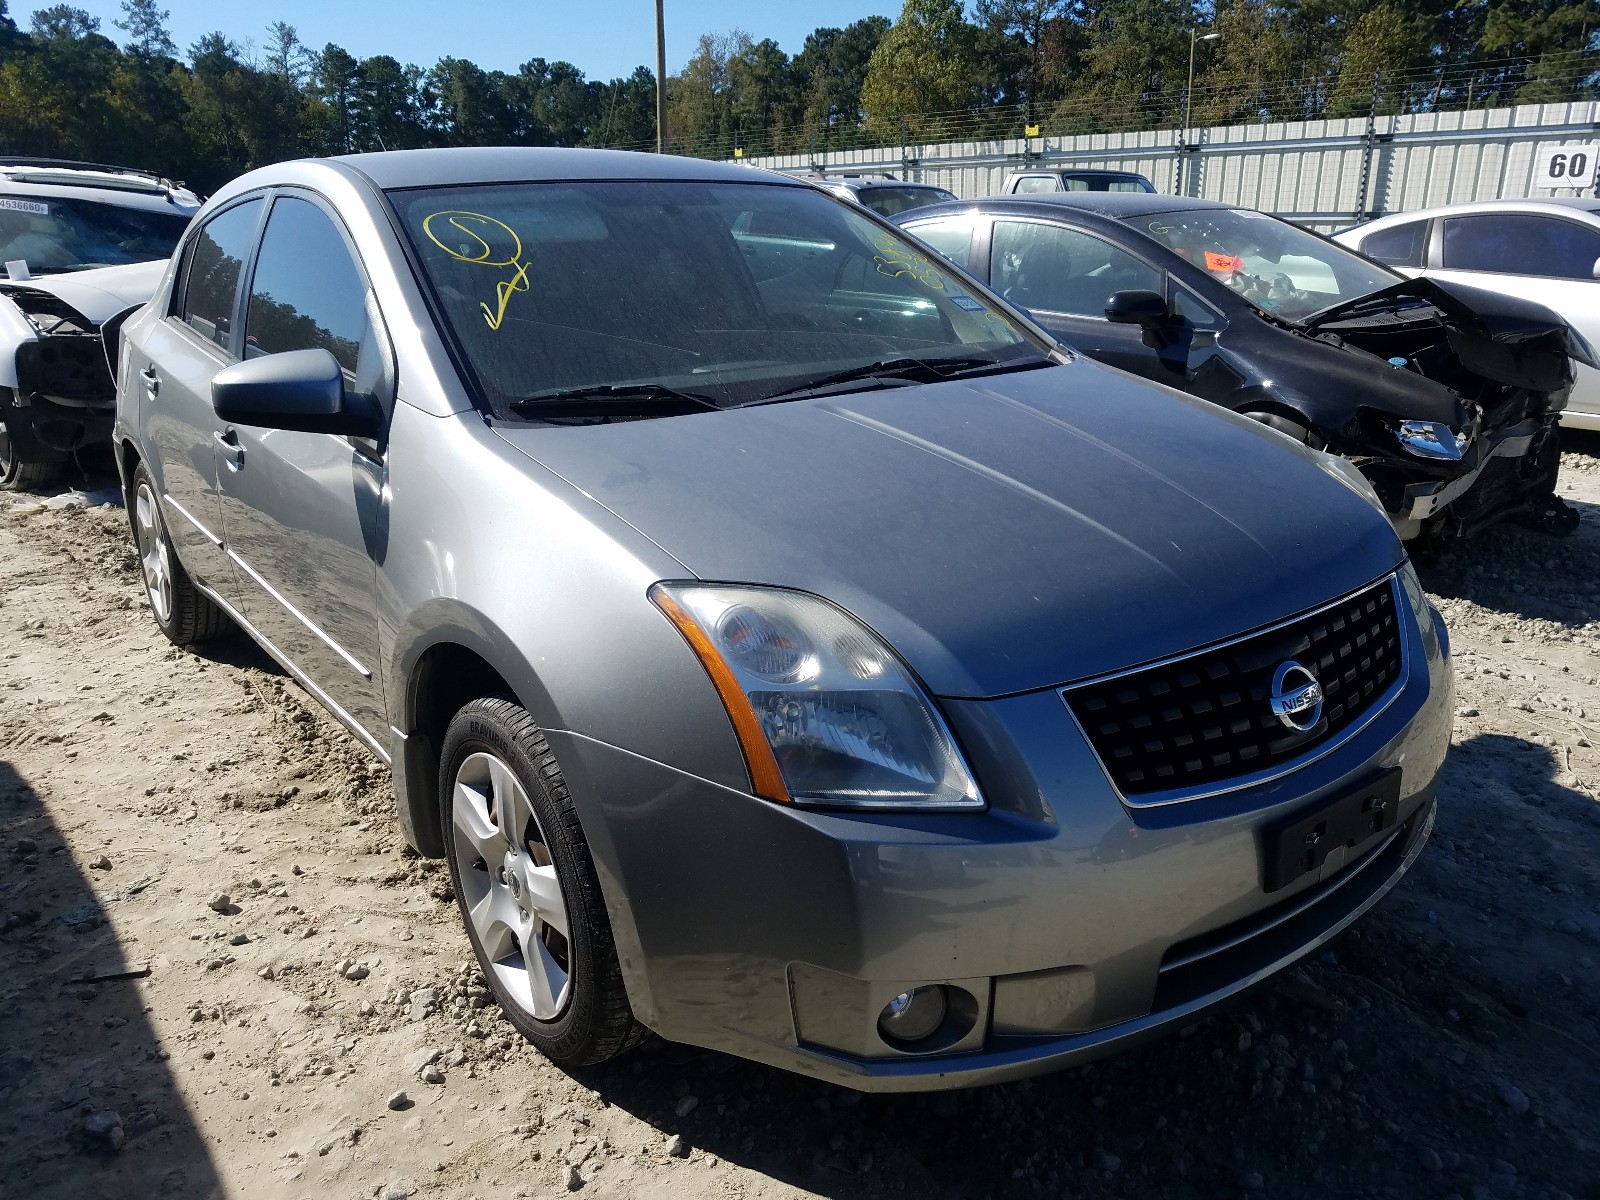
x,y
483,242
898,259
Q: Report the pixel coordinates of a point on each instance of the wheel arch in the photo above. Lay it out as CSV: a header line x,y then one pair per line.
x,y
462,658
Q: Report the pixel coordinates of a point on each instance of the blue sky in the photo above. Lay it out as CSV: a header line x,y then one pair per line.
x,y
604,39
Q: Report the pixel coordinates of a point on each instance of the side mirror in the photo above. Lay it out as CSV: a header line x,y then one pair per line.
x,y
1146,309
300,390
1594,271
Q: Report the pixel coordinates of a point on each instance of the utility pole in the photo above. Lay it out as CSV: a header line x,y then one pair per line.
x,y
1195,37
661,79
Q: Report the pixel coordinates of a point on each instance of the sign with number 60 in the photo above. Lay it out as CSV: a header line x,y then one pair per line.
x,y
1565,167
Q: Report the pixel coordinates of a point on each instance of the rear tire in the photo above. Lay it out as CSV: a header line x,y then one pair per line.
x,y
182,611
522,870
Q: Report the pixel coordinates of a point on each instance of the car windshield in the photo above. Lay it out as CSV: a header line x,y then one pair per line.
x,y
727,292
53,233
1280,268
892,201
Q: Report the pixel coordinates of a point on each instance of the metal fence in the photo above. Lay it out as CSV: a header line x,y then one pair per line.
x,y
1326,174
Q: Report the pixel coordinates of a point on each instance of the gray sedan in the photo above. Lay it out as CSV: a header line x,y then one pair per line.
x,y
791,649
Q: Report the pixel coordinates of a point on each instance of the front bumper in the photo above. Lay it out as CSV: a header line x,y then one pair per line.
x,y
1508,457
1075,924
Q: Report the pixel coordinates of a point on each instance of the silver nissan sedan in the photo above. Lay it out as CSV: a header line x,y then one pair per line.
x,y
792,650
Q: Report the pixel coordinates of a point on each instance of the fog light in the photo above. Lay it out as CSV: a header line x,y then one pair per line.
x,y
914,1015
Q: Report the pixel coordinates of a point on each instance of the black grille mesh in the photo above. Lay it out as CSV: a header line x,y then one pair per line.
x,y
1208,718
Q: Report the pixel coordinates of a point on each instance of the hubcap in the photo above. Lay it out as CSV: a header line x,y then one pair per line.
x,y
509,887
154,555
5,450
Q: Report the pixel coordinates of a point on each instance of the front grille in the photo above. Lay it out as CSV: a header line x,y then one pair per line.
x,y
1207,717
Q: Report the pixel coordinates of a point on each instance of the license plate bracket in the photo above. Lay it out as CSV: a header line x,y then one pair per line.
x,y
1300,844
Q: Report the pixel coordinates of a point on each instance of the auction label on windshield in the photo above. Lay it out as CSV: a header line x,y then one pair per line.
x,y
28,206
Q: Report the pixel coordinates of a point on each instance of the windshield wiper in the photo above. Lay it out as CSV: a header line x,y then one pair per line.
x,y
896,372
614,400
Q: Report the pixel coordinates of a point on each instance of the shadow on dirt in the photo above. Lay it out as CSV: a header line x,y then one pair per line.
x,y
1379,1068
88,1104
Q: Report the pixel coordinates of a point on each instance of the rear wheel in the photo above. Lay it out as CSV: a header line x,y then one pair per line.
x,y
24,463
527,889
185,613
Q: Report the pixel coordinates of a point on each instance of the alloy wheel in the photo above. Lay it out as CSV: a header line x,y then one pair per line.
x,y
154,553
510,889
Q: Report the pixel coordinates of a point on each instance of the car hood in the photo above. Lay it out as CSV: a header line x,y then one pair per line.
x,y
100,293
1003,534
1504,338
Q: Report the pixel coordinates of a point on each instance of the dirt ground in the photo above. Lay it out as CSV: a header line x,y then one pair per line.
x,y
218,965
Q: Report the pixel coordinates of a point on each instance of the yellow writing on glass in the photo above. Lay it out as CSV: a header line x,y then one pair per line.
x,y
897,258
471,237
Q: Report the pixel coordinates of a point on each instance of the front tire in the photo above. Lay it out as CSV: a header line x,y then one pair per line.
x,y
527,889
24,463
182,611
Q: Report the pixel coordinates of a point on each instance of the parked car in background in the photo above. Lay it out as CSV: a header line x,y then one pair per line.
x,y
769,639
79,244
884,195
1044,182
1445,396
1542,250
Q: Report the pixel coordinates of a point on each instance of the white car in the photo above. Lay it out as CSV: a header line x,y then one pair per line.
x,y
1542,250
80,245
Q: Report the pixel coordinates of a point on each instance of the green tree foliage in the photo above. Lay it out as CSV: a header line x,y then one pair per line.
x,y
925,67
943,69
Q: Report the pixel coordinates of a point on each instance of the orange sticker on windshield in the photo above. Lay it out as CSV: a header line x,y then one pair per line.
x,y
1223,264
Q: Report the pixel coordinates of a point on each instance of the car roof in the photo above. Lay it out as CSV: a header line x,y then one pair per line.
x,y
1585,204
1098,172
1115,205
47,177
494,164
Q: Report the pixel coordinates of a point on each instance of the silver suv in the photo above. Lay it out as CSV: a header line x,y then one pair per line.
x,y
80,243
790,649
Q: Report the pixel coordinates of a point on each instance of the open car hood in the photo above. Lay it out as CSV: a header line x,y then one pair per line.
x,y
1504,338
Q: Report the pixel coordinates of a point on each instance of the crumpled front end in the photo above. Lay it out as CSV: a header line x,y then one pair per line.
x,y
61,390
1462,431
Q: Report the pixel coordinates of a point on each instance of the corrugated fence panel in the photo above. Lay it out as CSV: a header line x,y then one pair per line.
x,y
1311,170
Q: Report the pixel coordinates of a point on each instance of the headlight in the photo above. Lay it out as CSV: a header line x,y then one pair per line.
x,y
1432,439
1347,473
826,713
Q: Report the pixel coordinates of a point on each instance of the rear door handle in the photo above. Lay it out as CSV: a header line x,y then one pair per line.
x,y
152,381
227,445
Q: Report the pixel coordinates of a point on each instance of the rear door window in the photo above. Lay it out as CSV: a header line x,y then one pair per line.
x,y
1402,245
950,236
1030,185
1055,269
1521,244
215,260
307,292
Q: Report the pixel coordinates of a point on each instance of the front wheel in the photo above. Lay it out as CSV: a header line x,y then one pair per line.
x,y
527,889
24,463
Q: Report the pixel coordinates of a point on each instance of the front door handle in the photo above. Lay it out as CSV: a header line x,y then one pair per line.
x,y
152,381
227,444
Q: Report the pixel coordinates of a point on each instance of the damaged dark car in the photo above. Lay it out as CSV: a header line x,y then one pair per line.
x,y
1446,397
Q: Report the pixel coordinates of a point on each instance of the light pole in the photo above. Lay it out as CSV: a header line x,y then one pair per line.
x,y
661,78
1195,38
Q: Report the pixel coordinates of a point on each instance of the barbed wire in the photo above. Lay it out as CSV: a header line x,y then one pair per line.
x,y
1323,90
